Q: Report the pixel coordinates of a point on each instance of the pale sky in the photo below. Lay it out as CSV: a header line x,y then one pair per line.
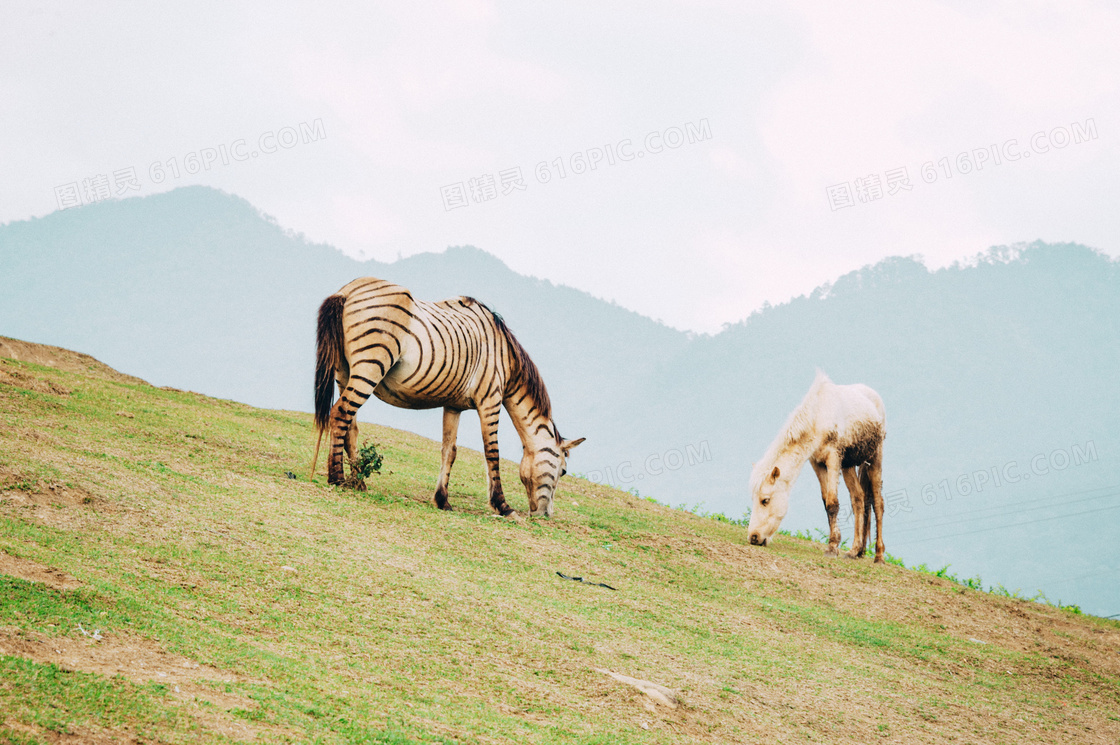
x,y
400,104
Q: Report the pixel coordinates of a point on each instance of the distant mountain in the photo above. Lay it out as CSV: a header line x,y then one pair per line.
x,y
1009,362
197,289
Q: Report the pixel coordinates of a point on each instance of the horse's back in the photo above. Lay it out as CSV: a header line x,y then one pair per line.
x,y
870,395
441,353
371,287
857,403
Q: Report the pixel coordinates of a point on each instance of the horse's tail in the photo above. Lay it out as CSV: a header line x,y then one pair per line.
x,y
330,357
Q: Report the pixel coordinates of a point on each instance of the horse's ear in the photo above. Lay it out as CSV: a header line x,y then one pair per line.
x,y
775,473
567,445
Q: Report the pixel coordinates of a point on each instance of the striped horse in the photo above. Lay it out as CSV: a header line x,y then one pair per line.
x,y
375,339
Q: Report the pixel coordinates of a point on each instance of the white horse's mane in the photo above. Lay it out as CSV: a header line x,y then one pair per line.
x,y
795,431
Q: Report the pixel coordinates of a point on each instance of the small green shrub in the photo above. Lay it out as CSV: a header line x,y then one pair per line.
x,y
367,463
368,460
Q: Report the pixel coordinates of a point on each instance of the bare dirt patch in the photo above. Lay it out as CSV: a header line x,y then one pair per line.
x,y
141,661
52,495
18,379
33,571
49,501
81,735
66,508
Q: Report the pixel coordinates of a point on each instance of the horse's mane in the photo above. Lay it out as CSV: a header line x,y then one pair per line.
x,y
797,428
524,367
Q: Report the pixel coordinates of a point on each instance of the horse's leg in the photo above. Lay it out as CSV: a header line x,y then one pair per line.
x,y
859,539
351,439
447,455
488,415
365,375
872,476
335,474
868,502
828,473
352,450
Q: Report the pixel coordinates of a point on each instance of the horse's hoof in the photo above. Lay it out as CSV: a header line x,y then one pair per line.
x,y
830,551
879,560
850,555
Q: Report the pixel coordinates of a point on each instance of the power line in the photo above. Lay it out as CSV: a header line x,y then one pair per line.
x,y
1049,500
962,517
1015,525
1087,576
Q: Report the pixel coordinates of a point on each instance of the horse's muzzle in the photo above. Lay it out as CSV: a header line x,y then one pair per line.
x,y
755,540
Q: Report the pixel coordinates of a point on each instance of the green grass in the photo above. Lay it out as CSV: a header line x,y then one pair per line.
x,y
342,616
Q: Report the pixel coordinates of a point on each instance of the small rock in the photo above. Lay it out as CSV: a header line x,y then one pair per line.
x,y
977,641
658,693
287,568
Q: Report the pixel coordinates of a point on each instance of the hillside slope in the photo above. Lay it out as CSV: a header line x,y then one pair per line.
x,y
163,580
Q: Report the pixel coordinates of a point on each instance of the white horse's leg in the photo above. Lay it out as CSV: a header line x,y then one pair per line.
x,y
859,512
828,473
871,474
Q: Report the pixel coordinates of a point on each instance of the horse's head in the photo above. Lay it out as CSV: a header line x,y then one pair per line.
x,y
770,493
541,469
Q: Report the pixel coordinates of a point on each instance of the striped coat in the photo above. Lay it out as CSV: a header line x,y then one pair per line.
x,y
375,339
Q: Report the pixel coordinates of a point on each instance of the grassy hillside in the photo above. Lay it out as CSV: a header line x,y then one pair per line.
x,y
162,579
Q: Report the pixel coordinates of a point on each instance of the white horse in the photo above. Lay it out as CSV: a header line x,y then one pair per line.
x,y
837,428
